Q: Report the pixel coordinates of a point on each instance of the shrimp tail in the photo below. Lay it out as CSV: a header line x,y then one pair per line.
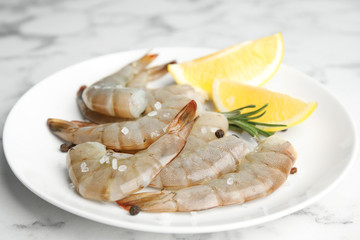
x,y
62,128
158,71
184,120
146,59
59,125
83,124
150,74
139,65
150,201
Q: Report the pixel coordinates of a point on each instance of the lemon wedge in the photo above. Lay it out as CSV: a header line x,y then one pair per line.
x,y
251,62
282,109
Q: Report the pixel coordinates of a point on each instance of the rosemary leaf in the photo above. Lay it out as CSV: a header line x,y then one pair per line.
x,y
248,128
239,121
236,112
267,124
255,112
265,133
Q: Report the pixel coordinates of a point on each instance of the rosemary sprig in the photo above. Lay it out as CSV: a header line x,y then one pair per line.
x,y
242,121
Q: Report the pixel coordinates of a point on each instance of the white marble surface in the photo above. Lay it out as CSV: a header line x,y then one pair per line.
x,y
39,37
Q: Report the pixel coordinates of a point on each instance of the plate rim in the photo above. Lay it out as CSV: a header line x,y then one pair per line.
x,y
185,229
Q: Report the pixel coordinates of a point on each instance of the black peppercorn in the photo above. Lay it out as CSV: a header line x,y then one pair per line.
x,y
134,210
66,146
219,133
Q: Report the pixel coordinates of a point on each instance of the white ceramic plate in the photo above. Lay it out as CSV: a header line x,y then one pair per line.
x,y
33,152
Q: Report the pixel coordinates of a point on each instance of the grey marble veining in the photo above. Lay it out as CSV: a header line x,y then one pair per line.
x,y
40,37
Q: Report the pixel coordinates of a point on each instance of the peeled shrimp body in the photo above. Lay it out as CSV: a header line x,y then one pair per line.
x,y
156,99
204,156
105,175
259,174
121,93
129,135
91,115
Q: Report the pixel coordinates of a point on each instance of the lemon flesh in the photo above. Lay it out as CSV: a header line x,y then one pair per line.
x,y
251,62
282,109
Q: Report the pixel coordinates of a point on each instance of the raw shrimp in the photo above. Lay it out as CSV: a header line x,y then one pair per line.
x,y
91,115
259,174
121,93
156,98
105,175
204,157
129,135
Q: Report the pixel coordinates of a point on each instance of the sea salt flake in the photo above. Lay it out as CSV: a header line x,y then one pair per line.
x,y
157,105
121,155
125,130
84,167
166,115
230,181
153,113
154,134
114,164
104,159
203,130
122,168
